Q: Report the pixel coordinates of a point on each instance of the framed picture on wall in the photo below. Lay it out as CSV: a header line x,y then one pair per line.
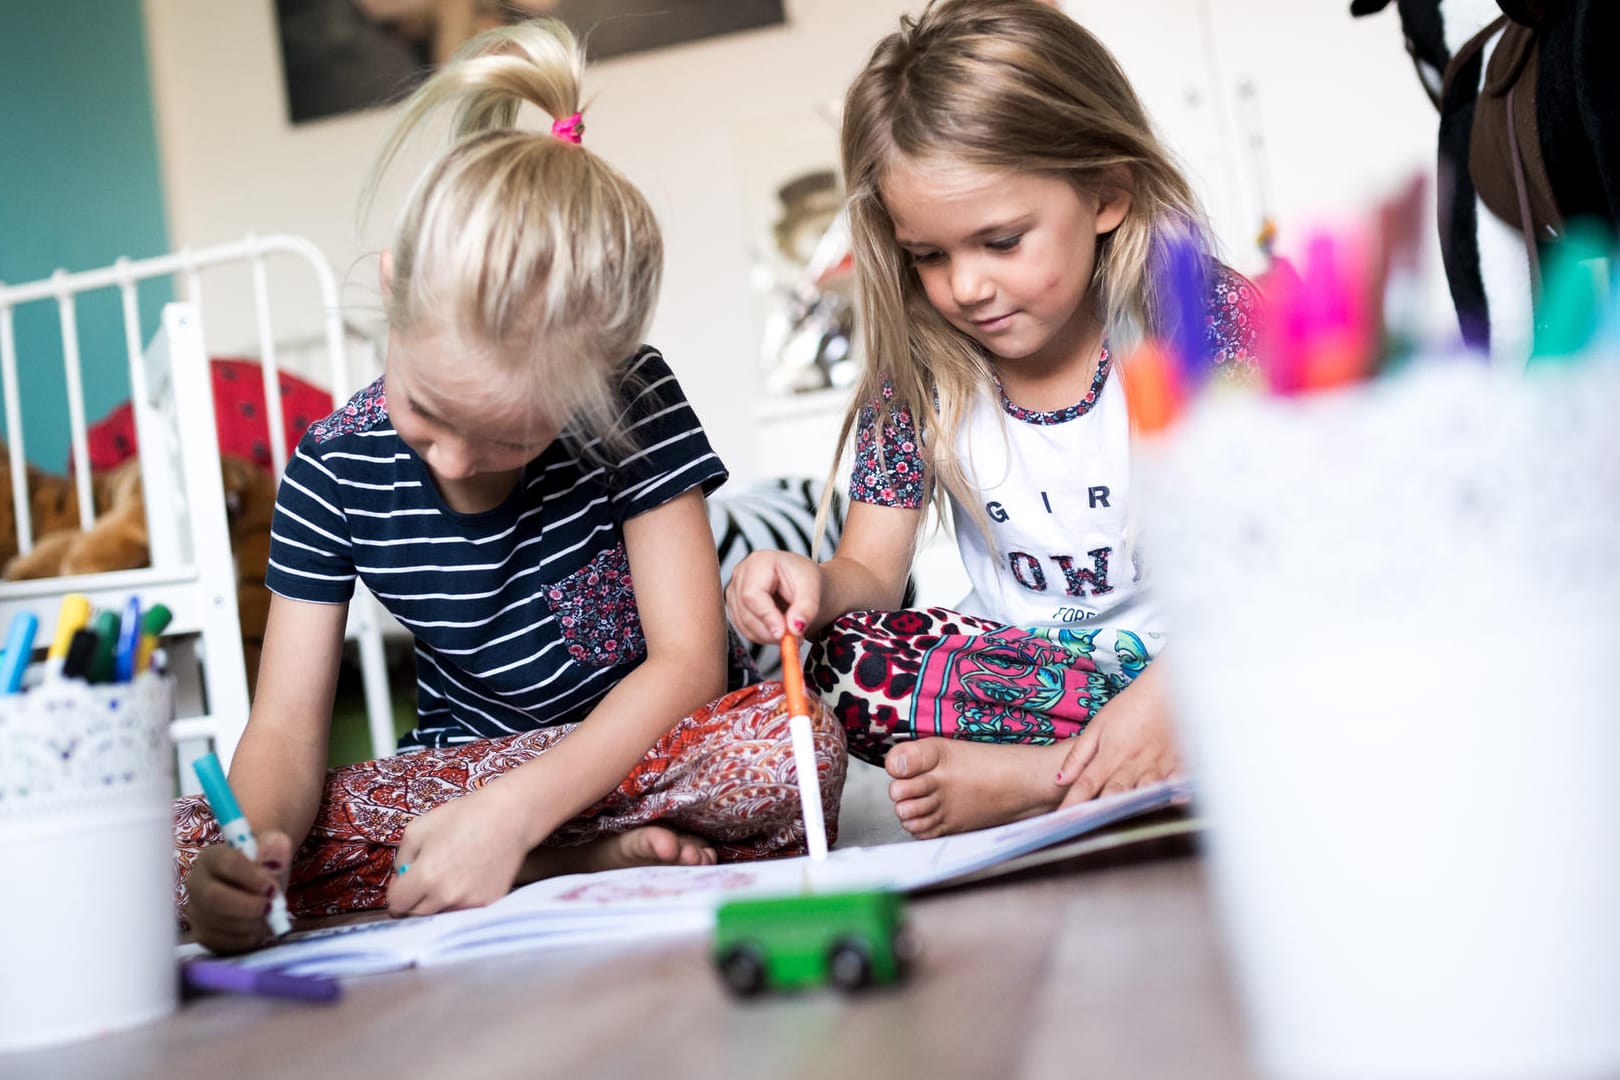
x,y
338,56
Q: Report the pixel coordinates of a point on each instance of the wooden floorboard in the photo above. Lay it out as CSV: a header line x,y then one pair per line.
x,y
1110,971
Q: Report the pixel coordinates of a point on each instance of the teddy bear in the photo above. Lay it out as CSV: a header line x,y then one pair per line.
x,y
52,504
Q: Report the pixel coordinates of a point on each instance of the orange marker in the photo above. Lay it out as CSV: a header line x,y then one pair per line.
x,y
804,749
793,677
1150,389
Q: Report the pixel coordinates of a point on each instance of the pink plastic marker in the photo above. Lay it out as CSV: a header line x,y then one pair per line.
x,y
1336,326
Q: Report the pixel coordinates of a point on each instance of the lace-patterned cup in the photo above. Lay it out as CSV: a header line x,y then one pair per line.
x,y
86,782
1395,659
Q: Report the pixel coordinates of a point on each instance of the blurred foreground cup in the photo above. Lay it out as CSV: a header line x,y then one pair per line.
x,y
87,851
1396,663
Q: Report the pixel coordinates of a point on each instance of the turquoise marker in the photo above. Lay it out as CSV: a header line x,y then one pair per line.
x,y
19,643
1571,308
234,828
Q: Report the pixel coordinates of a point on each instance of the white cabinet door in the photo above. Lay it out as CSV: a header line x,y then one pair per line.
x,y
1168,53
1344,117
1286,108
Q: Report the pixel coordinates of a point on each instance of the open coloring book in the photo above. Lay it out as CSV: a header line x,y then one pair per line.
x,y
617,906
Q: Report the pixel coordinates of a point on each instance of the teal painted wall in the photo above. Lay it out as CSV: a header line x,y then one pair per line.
x,y
79,186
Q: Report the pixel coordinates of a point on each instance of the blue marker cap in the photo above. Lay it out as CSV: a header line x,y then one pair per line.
x,y
19,643
220,797
129,639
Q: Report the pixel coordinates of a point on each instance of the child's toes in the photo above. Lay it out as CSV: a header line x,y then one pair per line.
x,y
911,759
913,809
660,845
923,827
905,790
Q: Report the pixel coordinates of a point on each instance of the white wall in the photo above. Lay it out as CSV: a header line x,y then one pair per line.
x,y
1340,116
705,130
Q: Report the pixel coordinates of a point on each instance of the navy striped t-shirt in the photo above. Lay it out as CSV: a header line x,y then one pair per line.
x,y
524,615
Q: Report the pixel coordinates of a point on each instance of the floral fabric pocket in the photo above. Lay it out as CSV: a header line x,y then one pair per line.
x,y
596,610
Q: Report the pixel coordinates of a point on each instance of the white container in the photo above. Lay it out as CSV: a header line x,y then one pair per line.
x,y
87,922
1396,662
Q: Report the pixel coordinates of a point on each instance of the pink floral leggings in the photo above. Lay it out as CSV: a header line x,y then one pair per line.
x,y
890,676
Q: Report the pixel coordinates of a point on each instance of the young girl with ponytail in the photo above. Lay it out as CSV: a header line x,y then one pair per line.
x,y
523,489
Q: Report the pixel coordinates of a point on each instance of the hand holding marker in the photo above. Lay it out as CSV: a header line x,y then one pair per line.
x,y
804,749
234,828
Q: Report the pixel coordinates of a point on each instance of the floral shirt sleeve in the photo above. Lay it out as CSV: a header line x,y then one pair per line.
x,y
896,480
1234,321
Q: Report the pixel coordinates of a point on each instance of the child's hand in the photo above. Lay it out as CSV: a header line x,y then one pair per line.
x,y
465,853
771,593
1128,743
228,894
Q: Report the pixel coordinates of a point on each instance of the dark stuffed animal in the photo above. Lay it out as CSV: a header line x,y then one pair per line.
x,y
1529,100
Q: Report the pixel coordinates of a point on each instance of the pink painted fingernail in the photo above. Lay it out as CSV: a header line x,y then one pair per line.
x,y
271,865
798,626
270,889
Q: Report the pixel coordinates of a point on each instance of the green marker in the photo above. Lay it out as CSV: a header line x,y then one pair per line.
x,y
153,623
102,660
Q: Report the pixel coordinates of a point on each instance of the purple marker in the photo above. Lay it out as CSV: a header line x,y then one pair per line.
x,y
1184,288
234,979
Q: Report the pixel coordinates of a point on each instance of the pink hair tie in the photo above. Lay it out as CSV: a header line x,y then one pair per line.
x,y
570,129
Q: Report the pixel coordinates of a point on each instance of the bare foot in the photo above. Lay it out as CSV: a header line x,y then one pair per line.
x,y
945,786
651,845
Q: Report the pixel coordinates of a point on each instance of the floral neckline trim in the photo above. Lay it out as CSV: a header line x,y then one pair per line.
x,y
1060,416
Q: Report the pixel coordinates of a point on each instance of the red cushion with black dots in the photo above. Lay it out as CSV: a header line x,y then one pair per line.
x,y
239,416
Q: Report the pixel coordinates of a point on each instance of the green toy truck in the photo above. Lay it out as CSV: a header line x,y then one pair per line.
x,y
852,940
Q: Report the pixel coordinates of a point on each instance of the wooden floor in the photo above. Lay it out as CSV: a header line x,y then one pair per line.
x,y
1103,971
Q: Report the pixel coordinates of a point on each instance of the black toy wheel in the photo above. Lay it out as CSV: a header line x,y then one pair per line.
x,y
849,964
743,969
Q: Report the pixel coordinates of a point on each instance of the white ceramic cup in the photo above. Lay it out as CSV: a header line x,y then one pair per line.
x,y
1395,658
86,839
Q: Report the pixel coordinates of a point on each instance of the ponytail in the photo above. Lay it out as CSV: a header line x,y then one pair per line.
x,y
525,239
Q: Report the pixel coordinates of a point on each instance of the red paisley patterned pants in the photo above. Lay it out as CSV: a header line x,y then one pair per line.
x,y
724,773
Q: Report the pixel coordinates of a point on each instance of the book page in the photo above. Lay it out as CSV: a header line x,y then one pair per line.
x,y
653,901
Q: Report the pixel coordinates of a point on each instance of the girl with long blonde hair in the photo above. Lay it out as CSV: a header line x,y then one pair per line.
x,y
524,490
1011,210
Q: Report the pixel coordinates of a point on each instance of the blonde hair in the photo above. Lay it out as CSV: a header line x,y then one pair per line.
x,y
522,238
998,84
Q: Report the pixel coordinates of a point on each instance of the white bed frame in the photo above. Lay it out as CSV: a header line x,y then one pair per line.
x,y
191,569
